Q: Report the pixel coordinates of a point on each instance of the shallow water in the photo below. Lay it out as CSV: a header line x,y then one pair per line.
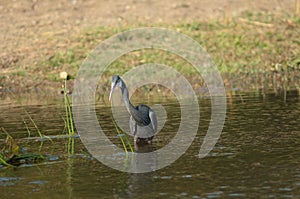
x,y
257,155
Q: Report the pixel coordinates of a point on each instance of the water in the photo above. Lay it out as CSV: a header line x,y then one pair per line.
x,y
257,155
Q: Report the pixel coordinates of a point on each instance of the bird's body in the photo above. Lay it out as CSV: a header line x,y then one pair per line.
x,y
143,122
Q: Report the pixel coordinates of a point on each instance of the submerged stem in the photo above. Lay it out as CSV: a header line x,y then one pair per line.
x,y
69,116
120,136
120,131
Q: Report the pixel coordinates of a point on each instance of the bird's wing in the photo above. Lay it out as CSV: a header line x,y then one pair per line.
x,y
153,120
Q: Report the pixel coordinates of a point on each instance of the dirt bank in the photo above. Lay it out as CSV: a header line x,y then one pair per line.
x,y
34,30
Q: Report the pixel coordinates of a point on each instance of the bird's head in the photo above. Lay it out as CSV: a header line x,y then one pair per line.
x,y
115,81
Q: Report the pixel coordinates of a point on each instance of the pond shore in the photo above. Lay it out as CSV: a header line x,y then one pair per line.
x,y
39,39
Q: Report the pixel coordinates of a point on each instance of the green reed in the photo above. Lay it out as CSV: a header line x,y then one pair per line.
x,y
122,134
68,110
69,124
3,162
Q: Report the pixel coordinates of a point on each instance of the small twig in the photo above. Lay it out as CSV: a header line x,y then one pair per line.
x,y
257,23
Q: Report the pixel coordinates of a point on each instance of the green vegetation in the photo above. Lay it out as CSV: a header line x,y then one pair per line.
x,y
10,155
34,124
69,116
69,125
9,150
19,73
122,134
259,41
252,51
3,162
248,46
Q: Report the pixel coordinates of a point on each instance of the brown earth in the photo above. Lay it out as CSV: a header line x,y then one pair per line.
x,y
34,29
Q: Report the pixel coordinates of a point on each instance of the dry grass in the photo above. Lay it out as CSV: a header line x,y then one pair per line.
x,y
261,47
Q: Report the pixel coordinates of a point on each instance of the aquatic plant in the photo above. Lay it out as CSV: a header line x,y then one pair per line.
x,y
9,148
34,124
3,162
10,153
69,124
122,134
68,110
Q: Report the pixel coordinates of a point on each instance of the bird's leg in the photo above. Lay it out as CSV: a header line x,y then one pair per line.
x,y
136,147
149,140
135,139
134,133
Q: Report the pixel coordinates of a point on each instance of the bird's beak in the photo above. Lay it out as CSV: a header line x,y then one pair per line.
x,y
113,85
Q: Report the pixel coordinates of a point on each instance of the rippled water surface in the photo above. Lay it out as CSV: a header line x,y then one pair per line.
x,y
257,155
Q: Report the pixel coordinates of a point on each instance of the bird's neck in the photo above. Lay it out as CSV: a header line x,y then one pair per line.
x,y
125,95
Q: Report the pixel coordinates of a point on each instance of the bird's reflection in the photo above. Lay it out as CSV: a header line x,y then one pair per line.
x,y
139,184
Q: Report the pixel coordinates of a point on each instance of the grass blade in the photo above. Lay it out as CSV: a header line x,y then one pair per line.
x,y
128,141
28,131
124,134
120,136
3,162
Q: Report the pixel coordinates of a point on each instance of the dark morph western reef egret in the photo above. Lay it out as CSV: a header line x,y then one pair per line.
x,y
143,122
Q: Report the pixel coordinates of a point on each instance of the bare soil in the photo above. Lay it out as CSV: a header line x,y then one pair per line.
x,y
34,29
